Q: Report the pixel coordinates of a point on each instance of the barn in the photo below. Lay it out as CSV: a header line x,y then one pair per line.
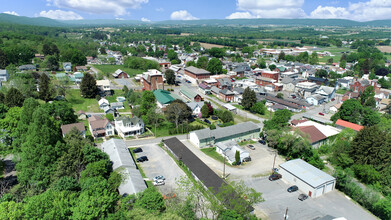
x,y
308,178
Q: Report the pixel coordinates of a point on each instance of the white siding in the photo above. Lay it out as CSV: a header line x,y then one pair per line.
x,y
194,139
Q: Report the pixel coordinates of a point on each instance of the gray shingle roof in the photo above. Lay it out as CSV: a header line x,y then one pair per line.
x,y
124,163
126,120
196,70
306,172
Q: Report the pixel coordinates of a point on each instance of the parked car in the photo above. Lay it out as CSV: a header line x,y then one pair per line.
x,y
293,188
158,182
138,150
303,197
247,159
275,176
321,113
333,99
207,121
142,159
262,142
214,117
159,178
251,147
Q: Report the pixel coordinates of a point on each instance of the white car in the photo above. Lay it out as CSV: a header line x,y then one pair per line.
x,y
158,182
159,178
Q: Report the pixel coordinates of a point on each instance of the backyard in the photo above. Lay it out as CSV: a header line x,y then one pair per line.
x,y
109,69
79,103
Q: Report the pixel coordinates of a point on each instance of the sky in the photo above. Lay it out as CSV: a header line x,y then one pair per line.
x,y
158,10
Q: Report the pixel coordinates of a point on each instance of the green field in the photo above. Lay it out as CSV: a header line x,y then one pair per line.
x,y
110,69
336,51
79,103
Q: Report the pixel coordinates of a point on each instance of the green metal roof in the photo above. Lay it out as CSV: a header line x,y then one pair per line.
x,y
163,96
188,92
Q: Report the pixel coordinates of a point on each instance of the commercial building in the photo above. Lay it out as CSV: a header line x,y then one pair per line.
x,y
196,75
308,178
153,80
123,162
163,98
238,132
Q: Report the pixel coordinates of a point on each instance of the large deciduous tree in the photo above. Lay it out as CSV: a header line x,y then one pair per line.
x,y
249,98
46,93
202,62
88,86
177,112
170,76
214,66
14,98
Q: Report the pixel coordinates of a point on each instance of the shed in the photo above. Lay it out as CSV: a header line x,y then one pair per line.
x,y
308,178
228,150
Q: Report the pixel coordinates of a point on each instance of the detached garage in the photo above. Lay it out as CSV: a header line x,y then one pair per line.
x,y
308,178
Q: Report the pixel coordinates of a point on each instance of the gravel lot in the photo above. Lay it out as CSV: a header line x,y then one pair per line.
x,y
277,199
160,163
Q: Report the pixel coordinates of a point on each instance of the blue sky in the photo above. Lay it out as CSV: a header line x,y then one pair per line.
x,y
157,10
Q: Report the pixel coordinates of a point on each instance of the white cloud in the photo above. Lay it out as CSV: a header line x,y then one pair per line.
x,y
330,12
11,13
116,7
159,9
60,15
145,20
182,15
269,9
240,15
360,11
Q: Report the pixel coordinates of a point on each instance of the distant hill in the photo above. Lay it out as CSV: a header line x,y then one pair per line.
x,y
40,21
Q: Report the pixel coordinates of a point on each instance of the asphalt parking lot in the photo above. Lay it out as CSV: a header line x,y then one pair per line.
x,y
277,199
160,163
125,82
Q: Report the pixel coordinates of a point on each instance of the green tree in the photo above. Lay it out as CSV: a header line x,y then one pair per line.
x,y
322,73
191,63
249,98
177,112
202,62
272,67
88,86
279,120
78,58
51,63
151,200
237,157
368,92
259,108
281,56
170,76
148,102
303,57
330,61
280,95
14,98
205,111
45,91
217,52
314,59
350,111
261,63
214,66
11,210
172,55
342,64
3,59
226,116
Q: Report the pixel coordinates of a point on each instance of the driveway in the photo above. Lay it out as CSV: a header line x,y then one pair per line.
x,y
160,163
277,199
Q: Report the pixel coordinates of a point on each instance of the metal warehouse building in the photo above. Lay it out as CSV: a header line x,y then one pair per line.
x,y
308,178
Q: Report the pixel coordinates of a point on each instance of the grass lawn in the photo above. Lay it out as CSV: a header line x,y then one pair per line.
x,y
109,69
239,119
211,152
341,91
87,127
79,103
243,143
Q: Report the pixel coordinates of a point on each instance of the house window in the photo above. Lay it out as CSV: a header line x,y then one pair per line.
x,y
108,126
109,133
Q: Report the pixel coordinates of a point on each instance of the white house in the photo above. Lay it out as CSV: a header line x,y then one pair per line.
x,y
126,126
195,107
103,103
228,150
327,92
103,85
308,178
316,99
4,75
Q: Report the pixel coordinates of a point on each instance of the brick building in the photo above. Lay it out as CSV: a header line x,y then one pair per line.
x,y
193,74
153,80
271,75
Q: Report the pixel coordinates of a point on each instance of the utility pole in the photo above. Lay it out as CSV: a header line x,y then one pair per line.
x,y
286,214
274,161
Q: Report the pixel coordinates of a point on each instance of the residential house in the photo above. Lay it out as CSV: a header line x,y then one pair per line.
x,y
228,150
318,81
239,71
205,89
100,127
226,95
109,110
104,86
305,89
224,83
126,126
334,108
117,105
103,103
315,132
189,94
65,129
196,75
153,80
292,75
230,108
132,182
327,92
28,67
344,83
40,56
120,74
61,76
342,124
238,132
238,94
360,85
82,115
4,76
163,98
270,74
215,91
67,66
195,107
316,99
81,68
76,77
264,81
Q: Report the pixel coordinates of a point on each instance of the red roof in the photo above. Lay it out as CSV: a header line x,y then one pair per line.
x,y
347,124
296,122
314,134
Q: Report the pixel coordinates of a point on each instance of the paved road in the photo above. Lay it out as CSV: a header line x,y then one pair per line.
x,y
277,199
153,140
